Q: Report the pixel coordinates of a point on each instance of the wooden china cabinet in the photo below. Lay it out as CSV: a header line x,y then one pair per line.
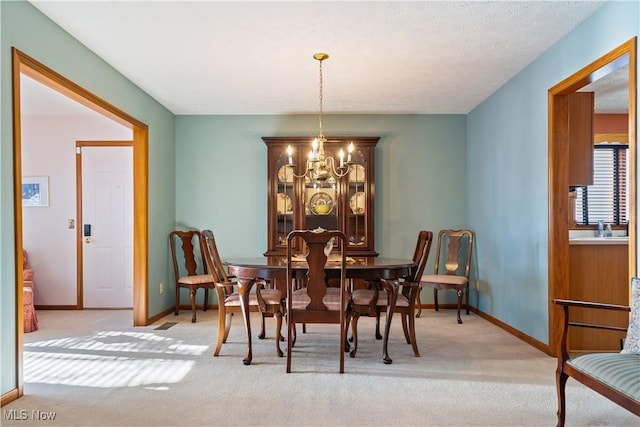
x,y
296,201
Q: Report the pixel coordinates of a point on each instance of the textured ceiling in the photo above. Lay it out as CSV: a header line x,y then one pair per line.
x,y
215,57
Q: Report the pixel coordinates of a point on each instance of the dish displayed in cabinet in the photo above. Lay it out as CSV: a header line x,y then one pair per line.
x,y
357,174
285,174
357,241
357,203
321,203
284,204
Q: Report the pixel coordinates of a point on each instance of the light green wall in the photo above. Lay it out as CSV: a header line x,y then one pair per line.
x,y
221,176
24,27
508,165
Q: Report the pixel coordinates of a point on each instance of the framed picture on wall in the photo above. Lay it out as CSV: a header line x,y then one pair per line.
x,y
35,191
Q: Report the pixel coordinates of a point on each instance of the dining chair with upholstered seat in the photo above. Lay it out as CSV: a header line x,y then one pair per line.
x,y
372,302
315,302
269,302
185,266
456,246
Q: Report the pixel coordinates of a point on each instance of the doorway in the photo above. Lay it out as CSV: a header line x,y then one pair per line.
x,y
24,64
559,173
50,125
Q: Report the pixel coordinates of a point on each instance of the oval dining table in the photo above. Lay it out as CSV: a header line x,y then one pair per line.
x,y
274,268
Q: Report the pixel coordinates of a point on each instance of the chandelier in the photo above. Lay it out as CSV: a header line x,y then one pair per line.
x,y
319,167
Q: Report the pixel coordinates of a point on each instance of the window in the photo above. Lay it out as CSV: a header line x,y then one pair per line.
x,y
606,199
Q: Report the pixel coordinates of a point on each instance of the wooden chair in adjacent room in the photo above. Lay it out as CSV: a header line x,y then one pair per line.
x,y
315,302
372,302
185,266
457,247
269,302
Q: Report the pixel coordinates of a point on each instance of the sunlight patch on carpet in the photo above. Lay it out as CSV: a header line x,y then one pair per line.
x,y
83,370
123,342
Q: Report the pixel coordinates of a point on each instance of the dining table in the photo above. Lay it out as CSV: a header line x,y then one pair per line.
x,y
274,269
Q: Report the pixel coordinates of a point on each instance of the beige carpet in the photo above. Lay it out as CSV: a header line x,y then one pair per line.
x,y
91,368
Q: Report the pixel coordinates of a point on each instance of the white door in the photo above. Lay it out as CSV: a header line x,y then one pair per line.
x,y
107,226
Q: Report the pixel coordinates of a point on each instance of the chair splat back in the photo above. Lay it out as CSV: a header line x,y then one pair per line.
x,y
454,240
315,303
214,262
316,274
189,262
420,255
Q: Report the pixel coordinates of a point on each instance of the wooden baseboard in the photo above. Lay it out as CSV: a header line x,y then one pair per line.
x,y
148,322
198,307
9,397
159,316
57,307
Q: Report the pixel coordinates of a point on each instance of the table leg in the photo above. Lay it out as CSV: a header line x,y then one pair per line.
x,y
244,287
391,287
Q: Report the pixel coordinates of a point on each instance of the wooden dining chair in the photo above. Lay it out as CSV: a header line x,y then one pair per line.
x,y
457,247
268,302
315,302
372,302
185,267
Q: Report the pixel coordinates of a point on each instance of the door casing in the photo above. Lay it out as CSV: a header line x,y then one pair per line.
x,y
558,261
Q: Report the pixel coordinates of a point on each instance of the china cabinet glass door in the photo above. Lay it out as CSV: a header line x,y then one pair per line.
x,y
357,197
297,200
282,199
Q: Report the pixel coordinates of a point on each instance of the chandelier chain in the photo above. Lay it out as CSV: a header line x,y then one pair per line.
x,y
320,115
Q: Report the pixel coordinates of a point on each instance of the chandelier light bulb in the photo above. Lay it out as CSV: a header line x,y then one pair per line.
x,y
290,154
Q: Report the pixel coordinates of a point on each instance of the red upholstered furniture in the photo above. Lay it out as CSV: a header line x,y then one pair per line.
x,y
30,317
27,272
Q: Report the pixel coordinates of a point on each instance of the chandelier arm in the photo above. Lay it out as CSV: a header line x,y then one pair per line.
x,y
331,162
296,175
338,172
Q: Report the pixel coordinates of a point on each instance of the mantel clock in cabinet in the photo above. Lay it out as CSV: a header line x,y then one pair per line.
x,y
300,199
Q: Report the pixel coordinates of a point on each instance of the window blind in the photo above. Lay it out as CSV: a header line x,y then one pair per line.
x,y
606,200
